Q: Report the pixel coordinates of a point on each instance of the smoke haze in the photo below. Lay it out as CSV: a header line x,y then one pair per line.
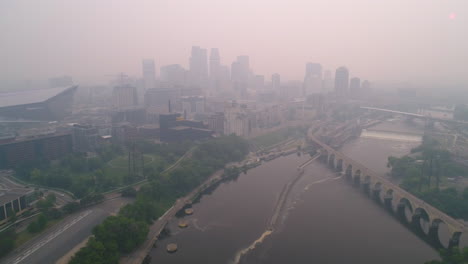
x,y
419,40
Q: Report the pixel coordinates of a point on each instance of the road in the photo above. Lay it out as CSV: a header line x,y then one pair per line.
x,y
7,184
58,240
55,242
138,255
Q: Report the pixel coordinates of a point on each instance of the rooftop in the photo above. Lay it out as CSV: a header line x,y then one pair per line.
x,y
30,96
7,196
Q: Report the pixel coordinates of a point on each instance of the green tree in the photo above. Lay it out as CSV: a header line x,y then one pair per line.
x,y
126,233
95,252
452,256
7,241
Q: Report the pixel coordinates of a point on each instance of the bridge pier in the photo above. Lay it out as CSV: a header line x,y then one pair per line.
x,y
357,181
395,199
331,163
434,235
376,195
401,213
416,224
366,188
339,166
388,203
454,240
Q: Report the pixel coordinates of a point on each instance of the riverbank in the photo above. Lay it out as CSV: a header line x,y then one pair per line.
x,y
139,255
230,172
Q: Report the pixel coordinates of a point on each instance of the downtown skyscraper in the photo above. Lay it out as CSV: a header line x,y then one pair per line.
x,y
313,79
215,64
355,87
341,81
198,66
149,74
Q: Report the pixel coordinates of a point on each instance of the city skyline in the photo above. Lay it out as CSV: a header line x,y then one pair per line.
x,y
87,40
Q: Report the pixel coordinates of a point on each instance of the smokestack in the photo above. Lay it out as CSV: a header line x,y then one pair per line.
x,y
169,105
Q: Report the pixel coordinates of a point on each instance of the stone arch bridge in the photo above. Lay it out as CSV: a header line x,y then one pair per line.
x,y
393,196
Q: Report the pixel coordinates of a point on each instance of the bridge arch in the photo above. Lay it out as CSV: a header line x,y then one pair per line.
x,y
434,237
388,199
357,177
339,164
444,237
324,155
405,210
331,160
377,192
421,220
366,183
396,199
349,171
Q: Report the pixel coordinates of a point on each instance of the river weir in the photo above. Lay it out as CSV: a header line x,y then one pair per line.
x,y
322,219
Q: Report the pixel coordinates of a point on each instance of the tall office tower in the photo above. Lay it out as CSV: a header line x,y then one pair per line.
x,y
313,79
198,66
259,82
240,69
124,96
174,75
149,74
224,73
240,72
235,71
215,64
327,81
341,81
276,82
355,87
313,69
366,88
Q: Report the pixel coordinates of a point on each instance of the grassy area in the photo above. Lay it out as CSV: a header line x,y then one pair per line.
x,y
272,138
122,161
24,236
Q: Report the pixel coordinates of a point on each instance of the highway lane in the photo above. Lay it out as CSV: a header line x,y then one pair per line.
x,y
54,243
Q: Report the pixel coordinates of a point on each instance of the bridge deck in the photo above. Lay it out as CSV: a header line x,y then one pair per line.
x,y
436,213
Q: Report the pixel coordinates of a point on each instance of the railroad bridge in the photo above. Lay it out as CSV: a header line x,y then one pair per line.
x,y
392,196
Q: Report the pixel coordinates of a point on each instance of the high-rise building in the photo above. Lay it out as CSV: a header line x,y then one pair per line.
x,y
216,122
224,73
366,87
259,82
236,120
124,96
275,82
85,138
313,79
215,63
341,81
240,69
328,81
174,75
313,69
355,87
149,74
198,66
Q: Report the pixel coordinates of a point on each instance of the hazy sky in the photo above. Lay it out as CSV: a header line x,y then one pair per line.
x,y
404,40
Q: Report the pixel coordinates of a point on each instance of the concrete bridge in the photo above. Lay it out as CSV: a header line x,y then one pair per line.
x,y
393,197
427,118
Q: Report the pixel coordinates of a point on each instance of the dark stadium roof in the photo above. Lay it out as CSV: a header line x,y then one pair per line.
x,y
30,96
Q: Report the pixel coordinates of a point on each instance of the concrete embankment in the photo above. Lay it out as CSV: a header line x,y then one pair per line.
x,y
277,210
285,192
